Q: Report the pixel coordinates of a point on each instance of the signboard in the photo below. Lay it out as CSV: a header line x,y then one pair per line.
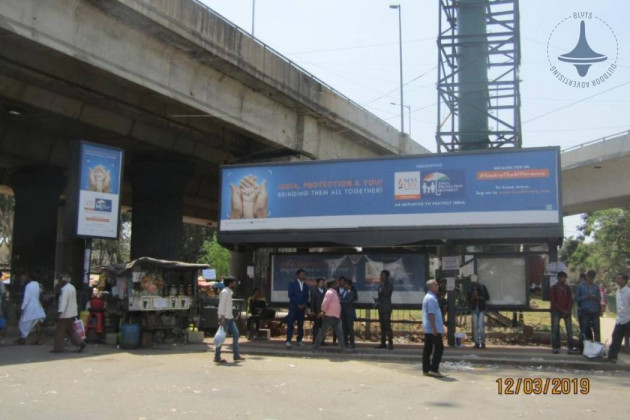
x,y
100,177
552,269
498,188
407,271
450,263
506,280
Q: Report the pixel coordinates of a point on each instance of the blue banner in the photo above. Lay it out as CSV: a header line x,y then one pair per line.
x,y
494,188
100,176
407,272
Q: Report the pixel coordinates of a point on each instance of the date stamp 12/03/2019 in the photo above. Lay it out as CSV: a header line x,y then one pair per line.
x,y
543,386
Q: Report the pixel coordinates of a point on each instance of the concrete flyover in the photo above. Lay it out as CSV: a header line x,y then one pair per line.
x,y
594,175
163,75
175,85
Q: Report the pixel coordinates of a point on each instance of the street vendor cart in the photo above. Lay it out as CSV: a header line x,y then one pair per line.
x,y
158,297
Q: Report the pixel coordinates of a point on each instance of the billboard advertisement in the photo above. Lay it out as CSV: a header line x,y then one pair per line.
x,y
408,273
100,177
514,187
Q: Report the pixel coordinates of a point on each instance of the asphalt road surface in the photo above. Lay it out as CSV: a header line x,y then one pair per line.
x,y
183,383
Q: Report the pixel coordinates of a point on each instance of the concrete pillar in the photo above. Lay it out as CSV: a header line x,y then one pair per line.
x,y
239,261
36,191
158,205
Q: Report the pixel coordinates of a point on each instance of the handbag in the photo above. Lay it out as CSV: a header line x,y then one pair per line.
x,y
219,337
79,329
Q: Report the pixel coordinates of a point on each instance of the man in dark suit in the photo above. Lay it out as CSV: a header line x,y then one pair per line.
x,y
384,304
317,297
348,295
298,299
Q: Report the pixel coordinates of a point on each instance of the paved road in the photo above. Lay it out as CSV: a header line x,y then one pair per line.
x,y
181,382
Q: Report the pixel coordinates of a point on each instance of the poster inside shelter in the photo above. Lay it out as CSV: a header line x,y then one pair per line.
x,y
408,272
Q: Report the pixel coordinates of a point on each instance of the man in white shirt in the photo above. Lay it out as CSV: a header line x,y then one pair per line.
x,y
226,320
622,325
68,311
32,312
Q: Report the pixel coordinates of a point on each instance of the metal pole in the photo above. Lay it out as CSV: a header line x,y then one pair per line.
x,y
253,15
409,115
402,102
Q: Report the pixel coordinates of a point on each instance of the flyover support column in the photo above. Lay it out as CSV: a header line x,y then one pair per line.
x,y
36,191
239,260
158,205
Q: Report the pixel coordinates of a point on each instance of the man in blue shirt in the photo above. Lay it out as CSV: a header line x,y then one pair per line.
x,y
588,298
433,330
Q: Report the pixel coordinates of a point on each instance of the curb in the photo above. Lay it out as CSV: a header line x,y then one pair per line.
x,y
530,361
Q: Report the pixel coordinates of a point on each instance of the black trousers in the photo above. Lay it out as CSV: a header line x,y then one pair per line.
x,y
432,344
347,324
317,325
620,331
385,321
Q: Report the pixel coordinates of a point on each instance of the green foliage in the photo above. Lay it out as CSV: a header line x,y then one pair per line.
x,y
7,206
216,256
194,237
603,247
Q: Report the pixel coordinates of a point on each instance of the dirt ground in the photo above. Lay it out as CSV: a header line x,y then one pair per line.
x,y
182,382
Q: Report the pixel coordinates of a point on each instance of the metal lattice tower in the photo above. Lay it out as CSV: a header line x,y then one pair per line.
x,y
478,76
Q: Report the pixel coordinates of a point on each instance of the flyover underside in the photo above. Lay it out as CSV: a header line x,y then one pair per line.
x,y
48,99
597,185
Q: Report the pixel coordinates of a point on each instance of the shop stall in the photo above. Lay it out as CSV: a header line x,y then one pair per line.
x,y
155,300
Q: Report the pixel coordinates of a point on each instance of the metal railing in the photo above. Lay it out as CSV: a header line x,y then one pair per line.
x,y
599,140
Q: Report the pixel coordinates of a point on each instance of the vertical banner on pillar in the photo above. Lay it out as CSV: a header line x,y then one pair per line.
x,y
100,178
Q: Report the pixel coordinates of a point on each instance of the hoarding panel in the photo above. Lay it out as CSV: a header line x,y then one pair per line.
x,y
100,177
505,278
408,273
519,187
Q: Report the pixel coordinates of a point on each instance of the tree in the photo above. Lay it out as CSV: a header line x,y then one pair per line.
x,y
194,237
604,245
216,256
7,207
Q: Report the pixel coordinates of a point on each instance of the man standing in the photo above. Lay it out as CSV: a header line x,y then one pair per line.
x,y
298,299
348,296
331,315
32,312
226,320
477,298
67,313
622,325
588,300
317,297
433,330
561,306
384,304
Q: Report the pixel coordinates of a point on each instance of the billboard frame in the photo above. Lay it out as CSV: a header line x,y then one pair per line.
x,y
357,305
77,188
394,236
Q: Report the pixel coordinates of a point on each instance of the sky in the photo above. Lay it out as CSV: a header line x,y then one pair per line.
x,y
353,46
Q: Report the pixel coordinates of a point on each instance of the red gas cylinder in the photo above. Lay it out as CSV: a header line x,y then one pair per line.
x,y
96,304
96,319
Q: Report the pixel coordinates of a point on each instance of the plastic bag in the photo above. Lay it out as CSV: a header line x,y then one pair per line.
x,y
219,337
592,349
78,328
